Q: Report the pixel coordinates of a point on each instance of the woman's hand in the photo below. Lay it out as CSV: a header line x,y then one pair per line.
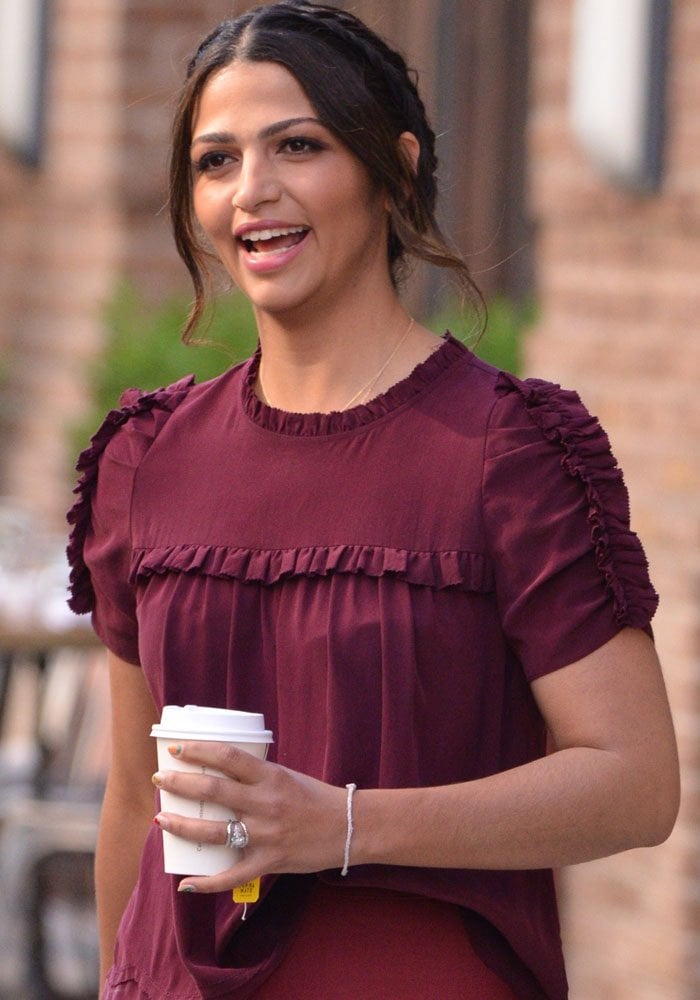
x,y
295,823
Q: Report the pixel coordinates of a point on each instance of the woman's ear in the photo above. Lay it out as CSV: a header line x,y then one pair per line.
x,y
410,147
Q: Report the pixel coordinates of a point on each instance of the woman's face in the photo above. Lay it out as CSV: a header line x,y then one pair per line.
x,y
290,212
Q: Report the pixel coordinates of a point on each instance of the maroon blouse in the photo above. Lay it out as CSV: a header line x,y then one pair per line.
x,y
383,584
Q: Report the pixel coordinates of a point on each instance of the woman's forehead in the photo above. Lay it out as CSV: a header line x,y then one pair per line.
x,y
253,90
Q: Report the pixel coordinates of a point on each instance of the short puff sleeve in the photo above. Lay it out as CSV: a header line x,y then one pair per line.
x,y
569,571
99,548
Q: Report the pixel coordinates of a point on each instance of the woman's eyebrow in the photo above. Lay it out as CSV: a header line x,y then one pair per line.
x,y
268,132
278,127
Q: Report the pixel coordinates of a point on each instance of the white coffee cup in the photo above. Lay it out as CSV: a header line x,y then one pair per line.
x,y
192,722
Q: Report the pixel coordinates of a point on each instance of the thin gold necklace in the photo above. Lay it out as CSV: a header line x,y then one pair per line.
x,y
363,393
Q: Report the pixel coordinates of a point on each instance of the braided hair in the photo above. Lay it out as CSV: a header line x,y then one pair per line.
x,y
362,91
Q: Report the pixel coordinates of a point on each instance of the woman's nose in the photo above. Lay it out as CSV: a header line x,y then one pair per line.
x,y
257,184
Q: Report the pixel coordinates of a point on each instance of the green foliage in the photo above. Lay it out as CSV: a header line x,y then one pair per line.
x,y
502,341
143,347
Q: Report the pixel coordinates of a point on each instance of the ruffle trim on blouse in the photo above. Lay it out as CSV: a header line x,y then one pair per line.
x,y
310,424
133,403
469,571
563,419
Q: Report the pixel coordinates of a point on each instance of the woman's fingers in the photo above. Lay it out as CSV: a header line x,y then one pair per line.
x,y
226,757
201,830
226,881
246,864
231,773
205,787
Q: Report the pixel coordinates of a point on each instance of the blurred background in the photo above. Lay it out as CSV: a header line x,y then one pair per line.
x,y
569,143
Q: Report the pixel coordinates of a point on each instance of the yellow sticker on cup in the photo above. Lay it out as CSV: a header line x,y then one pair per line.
x,y
249,892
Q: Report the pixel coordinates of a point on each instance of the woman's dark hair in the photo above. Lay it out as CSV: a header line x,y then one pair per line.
x,y
361,90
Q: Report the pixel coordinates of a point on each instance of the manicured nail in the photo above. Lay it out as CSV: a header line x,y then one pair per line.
x,y
157,779
186,888
161,821
175,749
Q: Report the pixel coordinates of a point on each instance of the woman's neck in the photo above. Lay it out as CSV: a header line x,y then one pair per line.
x,y
311,364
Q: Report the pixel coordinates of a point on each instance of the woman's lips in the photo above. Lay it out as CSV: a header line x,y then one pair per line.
x,y
267,248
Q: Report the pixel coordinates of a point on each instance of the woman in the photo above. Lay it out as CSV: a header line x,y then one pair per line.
x,y
418,568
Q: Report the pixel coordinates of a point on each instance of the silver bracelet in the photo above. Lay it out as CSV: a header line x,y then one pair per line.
x,y
352,787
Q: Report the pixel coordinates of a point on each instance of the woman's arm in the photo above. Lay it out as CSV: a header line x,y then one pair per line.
x,y
610,784
127,811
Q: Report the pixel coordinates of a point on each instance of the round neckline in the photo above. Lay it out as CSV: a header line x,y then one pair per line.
x,y
288,422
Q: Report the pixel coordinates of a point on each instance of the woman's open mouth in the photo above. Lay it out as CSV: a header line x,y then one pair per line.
x,y
268,242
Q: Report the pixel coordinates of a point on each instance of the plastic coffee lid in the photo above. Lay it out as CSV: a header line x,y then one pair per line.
x,y
193,722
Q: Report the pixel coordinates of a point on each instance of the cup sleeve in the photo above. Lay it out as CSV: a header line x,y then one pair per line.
x,y
569,571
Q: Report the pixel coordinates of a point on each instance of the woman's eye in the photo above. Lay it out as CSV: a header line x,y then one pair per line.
x,y
211,161
298,144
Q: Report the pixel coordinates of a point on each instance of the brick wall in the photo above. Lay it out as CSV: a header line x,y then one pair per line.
x,y
90,214
619,300
63,238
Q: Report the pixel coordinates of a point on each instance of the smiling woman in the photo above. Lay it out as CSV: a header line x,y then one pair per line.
x,y
265,164
360,91
419,569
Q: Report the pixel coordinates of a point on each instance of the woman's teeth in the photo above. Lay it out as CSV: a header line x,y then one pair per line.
x,y
273,240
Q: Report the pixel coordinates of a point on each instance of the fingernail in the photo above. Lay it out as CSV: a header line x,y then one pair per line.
x,y
186,888
175,749
157,779
161,821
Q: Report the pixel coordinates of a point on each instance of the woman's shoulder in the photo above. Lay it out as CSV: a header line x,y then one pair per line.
x,y
142,414
114,452
108,466
555,414
482,395
127,430
506,397
506,401
535,422
549,461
